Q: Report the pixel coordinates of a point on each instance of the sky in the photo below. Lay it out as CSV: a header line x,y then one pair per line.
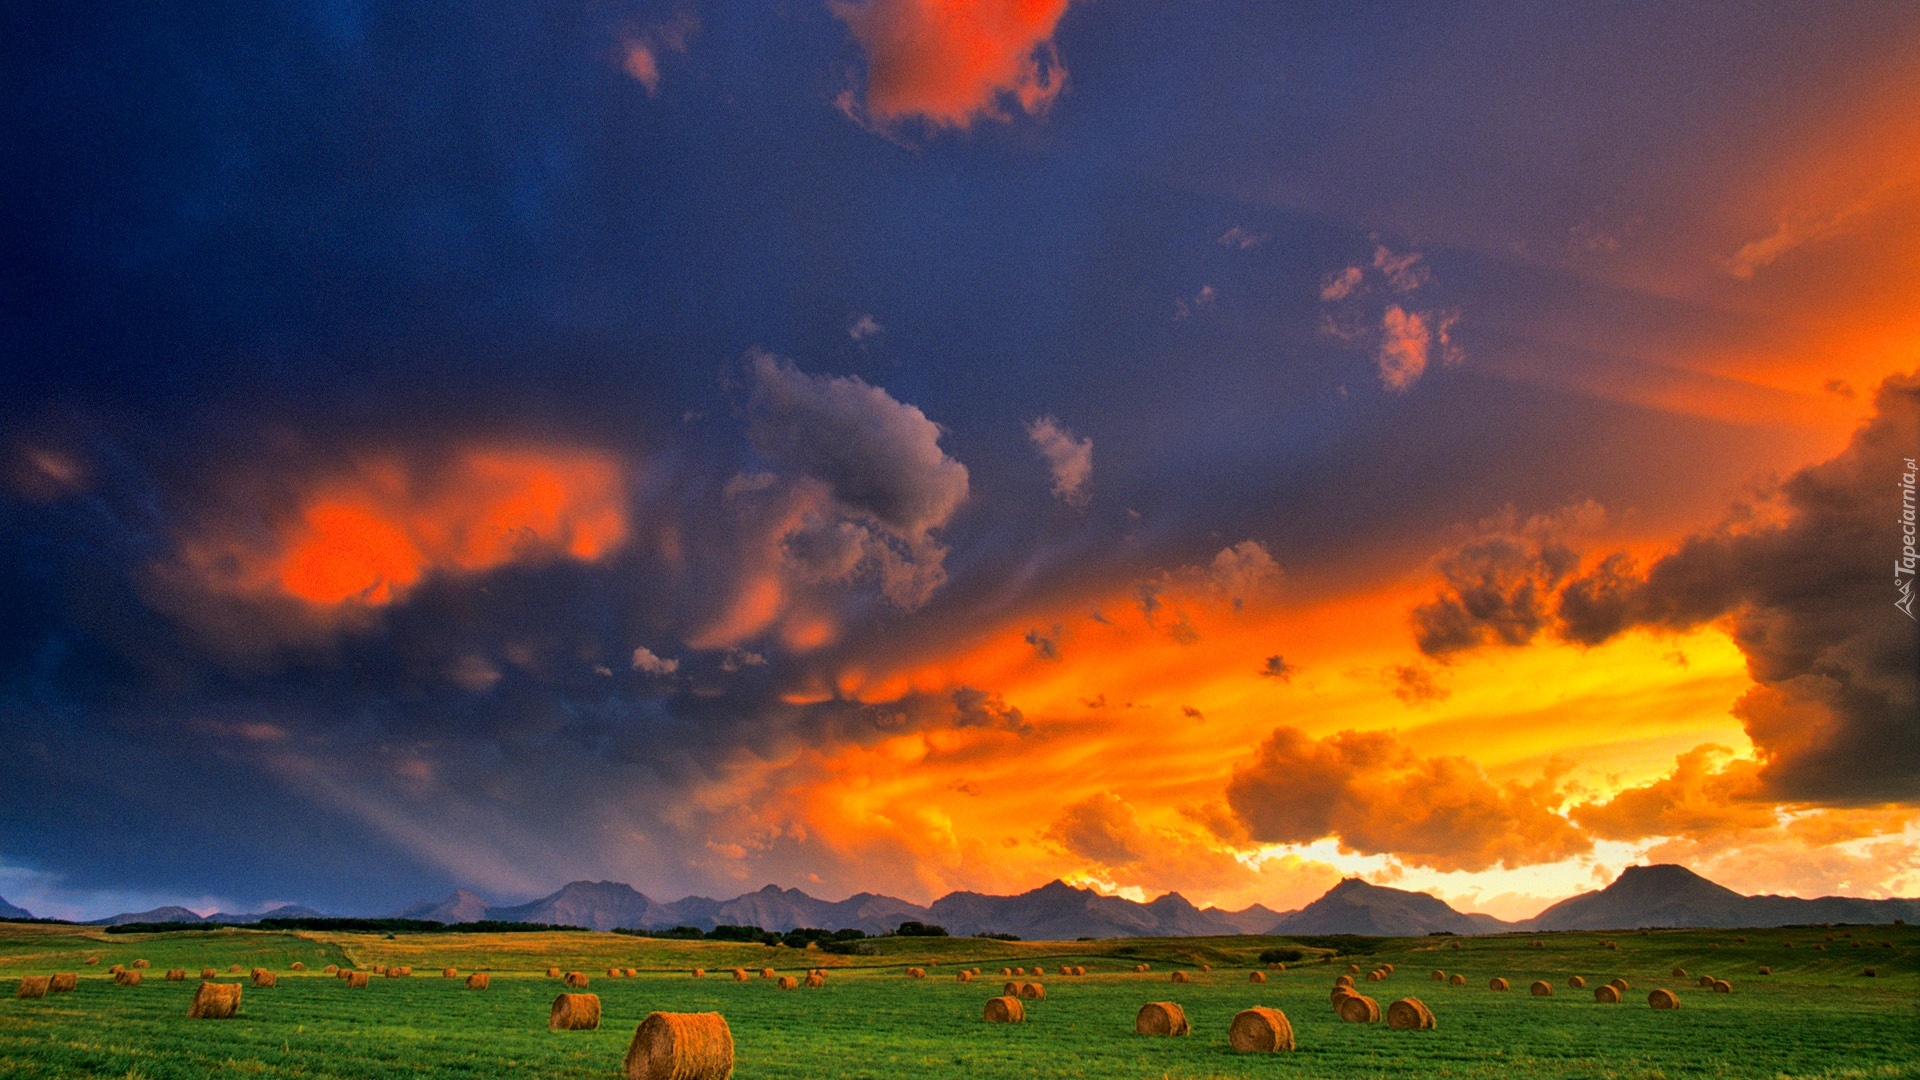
x,y
919,445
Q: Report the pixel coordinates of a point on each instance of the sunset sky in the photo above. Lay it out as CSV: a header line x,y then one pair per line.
x,y
918,445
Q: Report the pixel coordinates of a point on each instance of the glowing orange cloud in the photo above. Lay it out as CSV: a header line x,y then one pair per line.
x,y
949,61
371,536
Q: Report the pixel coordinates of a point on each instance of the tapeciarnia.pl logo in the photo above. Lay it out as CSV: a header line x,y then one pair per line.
x,y
1903,566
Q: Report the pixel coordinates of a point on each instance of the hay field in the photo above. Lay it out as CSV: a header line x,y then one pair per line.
x,y
1816,1016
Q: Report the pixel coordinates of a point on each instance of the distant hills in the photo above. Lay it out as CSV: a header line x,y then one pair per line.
x,y
1643,896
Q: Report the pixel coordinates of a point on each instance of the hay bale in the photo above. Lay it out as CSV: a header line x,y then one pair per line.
x,y
1439,976
341,974
449,973
788,982
1388,968
1577,983
964,976
699,973
576,979
176,974
1870,973
1722,986
1620,984
1182,977
1705,983
296,966
1010,988
264,979
209,973
356,980
1741,940
1161,1018
768,973
235,969
1455,945
816,980
1359,1009
613,973
395,973
632,973
1343,980
1410,1014
1541,988
574,1012
479,980
1339,993
1032,991
1607,995
378,969
1663,999
1497,983
1353,969
1679,973
1258,977
92,960
143,963
330,969
127,978
553,973
32,986
1006,972
215,1001
1142,969
1078,969
680,1046
740,975
1260,1030
1020,971
1005,1010
1456,979
1765,970
1204,968
916,973
116,969
63,982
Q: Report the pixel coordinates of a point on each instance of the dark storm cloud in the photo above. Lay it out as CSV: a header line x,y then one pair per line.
x,y
1806,584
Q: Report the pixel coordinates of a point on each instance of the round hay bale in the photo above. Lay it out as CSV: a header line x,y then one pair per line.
x,y
341,974
1343,980
553,973
681,1046
32,986
92,960
1161,1018
479,980
1204,968
1705,983
740,975
1786,944
574,1012
1620,984
1032,991
576,979
449,973
406,972
395,973
1539,944
1142,969
613,973
788,982
1353,969
1455,945
1078,969
1005,1010
1679,973
127,978
296,966
964,976
143,963
330,969
1020,971
1439,976
1541,988
1663,999
1006,972
1741,940
1870,973
264,979
1577,983
816,980
767,973
699,973
1258,977
1260,1030
1340,992
1410,1014
1359,1009
118,968
1722,986
1456,979
215,1001
916,973
357,980
378,969
1497,983
1607,995
176,974
633,973
1765,970
63,982
1010,989
1388,968
208,973
1182,977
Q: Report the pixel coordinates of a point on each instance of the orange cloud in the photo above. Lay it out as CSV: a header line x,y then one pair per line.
x,y
1703,795
1376,796
950,61
370,536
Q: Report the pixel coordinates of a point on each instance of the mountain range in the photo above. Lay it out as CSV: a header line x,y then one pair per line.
x,y
1642,896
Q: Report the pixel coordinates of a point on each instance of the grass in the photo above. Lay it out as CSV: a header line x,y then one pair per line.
x,y
1815,1017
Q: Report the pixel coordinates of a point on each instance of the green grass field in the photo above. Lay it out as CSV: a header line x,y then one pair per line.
x,y
1816,1016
